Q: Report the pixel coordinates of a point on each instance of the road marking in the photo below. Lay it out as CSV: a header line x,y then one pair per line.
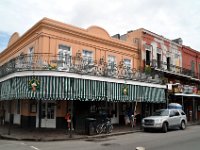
x,y
34,147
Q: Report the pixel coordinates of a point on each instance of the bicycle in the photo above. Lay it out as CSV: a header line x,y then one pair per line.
x,y
105,126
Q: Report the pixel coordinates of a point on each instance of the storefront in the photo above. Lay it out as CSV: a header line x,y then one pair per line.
x,y
191,105
189,98
42,101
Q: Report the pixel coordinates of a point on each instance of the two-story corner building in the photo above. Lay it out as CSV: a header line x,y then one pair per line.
x,y
55,68
175,63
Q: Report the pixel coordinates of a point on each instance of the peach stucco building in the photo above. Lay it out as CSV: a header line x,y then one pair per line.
x,y
55,67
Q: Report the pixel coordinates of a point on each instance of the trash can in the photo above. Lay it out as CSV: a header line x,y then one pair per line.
x,y
90,126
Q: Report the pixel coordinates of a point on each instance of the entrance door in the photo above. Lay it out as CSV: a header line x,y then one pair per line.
x,y
48,116
115,113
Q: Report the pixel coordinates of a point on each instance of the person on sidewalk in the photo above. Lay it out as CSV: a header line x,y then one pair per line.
x,y
68,118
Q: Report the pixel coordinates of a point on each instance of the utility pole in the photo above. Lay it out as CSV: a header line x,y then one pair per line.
x,y
167,96
9,126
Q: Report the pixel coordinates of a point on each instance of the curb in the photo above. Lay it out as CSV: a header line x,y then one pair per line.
x,y
6,137
112,134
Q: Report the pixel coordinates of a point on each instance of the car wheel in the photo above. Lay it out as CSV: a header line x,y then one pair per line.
x,y
183,126
164,127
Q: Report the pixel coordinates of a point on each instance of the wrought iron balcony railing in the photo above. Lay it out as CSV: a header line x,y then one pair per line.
x,y
166,67
78,65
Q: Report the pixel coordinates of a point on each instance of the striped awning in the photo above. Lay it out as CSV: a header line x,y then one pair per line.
x,y
135,93
67,88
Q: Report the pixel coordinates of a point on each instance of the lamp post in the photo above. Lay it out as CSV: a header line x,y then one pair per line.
x,y
168,87
9,126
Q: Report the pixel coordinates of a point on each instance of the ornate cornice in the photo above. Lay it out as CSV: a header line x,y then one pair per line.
x,y
60,27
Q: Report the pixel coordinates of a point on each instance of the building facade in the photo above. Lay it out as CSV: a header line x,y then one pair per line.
x,y
177,65
188,91
55,68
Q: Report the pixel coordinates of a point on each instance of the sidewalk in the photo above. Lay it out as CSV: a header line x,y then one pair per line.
x,y
17,133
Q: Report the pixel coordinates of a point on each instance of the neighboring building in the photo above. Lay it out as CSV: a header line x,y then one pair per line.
x,y
175,63
191,62
159,56
188,91
156,51
55,68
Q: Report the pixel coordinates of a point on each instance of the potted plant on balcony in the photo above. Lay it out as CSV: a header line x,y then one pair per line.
x,y
147,70
52,67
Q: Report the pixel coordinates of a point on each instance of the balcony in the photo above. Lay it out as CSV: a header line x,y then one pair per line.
x,y
78,65
173,69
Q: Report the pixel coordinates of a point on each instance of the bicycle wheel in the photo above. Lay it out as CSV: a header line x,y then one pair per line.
x,y
110,128
99,128
104,128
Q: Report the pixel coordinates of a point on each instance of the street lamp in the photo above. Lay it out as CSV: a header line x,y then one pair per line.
x,y
168,87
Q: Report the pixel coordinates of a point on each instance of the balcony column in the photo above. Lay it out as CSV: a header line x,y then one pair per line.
x,y
193,109
182,101
39,113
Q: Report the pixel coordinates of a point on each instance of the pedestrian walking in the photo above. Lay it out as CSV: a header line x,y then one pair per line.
x,y
68,118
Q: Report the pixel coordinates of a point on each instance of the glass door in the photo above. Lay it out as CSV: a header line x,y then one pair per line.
x,y
48,117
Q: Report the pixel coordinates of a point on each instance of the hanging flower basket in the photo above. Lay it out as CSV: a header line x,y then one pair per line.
x,y
147,70
34,84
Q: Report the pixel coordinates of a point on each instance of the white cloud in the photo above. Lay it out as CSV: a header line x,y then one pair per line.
x,y
170,18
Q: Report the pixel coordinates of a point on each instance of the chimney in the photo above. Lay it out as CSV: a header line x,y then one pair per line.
x,y
178,41
117,36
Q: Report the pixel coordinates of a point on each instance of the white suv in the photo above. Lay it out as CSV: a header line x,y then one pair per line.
x,y
164,119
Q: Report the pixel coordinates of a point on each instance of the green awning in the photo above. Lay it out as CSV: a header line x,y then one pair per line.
x,y
68,88
88,89
5,90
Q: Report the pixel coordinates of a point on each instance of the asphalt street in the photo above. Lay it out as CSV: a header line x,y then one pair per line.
x,y
173,140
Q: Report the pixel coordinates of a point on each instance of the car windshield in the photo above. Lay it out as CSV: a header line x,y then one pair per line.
x,y
161,112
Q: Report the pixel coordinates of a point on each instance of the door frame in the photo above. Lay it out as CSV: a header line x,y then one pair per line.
x,y
37,116
115,117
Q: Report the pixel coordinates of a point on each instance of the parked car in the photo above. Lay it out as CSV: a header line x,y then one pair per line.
x,y
165,119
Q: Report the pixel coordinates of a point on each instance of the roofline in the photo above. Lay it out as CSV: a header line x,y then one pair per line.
x,y
46,22
157,36
191,49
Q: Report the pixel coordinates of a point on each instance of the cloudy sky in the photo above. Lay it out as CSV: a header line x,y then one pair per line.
x,y
170,18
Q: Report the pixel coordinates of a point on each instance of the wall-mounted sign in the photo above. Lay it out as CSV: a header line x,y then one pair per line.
x,y
187,89
125,90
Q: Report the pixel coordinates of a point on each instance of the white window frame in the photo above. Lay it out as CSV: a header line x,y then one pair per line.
x,y
127,65
87,56
64,55
111,61
159,51
30,55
